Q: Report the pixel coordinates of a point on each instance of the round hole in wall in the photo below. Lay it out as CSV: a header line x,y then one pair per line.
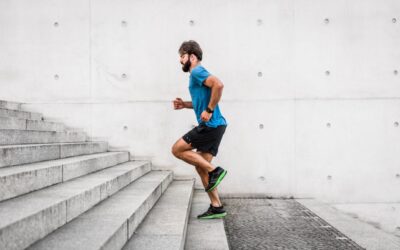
x,y
261,178
191,22
56,24
123,75
124,23
259,22
326,20
329,177
328,125
56,77
397,175
327,72
394,20
261,126
396,124
395,72
259,74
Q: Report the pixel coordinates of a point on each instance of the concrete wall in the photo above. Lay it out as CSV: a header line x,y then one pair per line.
x,y
311,87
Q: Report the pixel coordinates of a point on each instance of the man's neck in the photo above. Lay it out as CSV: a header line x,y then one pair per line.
x,y
194,65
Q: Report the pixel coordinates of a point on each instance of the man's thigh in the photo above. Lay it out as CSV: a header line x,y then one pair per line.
x,y
180,146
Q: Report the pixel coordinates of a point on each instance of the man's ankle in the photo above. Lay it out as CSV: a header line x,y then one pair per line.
x,y
212,170
216,205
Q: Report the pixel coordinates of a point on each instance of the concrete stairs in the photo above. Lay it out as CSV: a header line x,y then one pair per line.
x,y
58,190
166,225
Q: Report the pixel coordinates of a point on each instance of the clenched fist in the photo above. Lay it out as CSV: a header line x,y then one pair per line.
x,y
178,103
205,116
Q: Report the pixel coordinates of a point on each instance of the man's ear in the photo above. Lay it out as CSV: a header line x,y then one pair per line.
x,y
192,58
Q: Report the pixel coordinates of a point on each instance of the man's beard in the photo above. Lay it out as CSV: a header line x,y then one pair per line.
x,y
186,66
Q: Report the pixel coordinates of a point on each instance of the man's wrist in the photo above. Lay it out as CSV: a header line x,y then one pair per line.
x,y
209,110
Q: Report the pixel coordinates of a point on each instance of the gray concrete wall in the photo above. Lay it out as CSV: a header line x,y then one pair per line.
x,y
311,87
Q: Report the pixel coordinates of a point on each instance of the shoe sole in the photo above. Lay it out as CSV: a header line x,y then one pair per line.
x,y
214,216
218,181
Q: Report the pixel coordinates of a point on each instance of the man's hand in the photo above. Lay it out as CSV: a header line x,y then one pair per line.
x,y
178,103
205,116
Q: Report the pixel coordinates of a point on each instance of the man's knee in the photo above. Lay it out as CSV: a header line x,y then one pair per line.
x,y
179,147
176,151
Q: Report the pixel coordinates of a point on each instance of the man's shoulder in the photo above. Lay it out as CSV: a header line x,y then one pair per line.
x,y
199,70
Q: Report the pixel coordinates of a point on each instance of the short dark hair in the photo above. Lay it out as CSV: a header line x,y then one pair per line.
x,y
191,47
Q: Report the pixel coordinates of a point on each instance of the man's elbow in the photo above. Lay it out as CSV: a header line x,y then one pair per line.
x,y
220,85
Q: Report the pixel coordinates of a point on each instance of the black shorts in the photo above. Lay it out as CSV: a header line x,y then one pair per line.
x,y
205,139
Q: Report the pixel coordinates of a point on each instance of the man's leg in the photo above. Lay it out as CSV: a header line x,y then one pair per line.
x,y
214,197
183,151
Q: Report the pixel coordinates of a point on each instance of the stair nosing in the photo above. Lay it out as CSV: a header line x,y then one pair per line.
x,y
49,144
54,163
22,111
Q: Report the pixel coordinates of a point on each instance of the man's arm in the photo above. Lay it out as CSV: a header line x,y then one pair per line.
x,y
188,105
180,104
216,90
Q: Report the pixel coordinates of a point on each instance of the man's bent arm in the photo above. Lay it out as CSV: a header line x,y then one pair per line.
x,y
216,90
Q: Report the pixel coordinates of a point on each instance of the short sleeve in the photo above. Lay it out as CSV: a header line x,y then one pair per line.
x,y
199,75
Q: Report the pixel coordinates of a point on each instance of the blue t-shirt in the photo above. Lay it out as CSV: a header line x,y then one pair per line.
x,y
201,95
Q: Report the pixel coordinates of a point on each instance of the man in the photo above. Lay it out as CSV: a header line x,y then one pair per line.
x,y
206,91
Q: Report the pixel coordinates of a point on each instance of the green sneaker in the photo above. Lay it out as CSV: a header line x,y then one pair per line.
x,y
215,177
213,213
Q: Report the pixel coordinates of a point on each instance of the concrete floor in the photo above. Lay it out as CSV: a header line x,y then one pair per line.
x,y
383,216
371,225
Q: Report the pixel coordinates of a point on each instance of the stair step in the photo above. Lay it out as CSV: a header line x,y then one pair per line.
x,y
12,155
36,125
12,123
13,137
112,222
165,225
204,233
28,218
45,126
20,114
10,105
18,180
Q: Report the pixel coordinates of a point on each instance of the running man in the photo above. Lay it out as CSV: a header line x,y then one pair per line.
x,y
206,91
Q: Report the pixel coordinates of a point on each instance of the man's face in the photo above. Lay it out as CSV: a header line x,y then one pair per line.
x,y
185,61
